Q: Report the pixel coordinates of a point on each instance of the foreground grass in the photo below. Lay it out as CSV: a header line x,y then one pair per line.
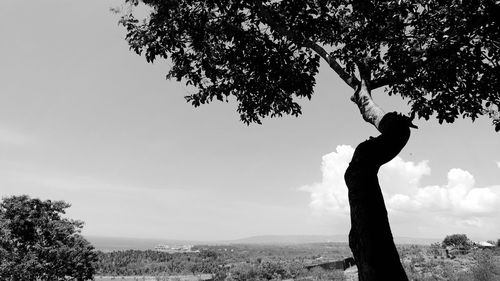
x,y
477,265
197,277
243,263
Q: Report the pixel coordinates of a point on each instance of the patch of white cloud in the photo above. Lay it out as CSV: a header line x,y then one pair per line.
x,y
459,197
399,175
12,138
498,164
458,202
331,193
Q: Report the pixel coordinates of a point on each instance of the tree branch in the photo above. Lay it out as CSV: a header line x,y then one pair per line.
x,y
381,82
264,13
371,112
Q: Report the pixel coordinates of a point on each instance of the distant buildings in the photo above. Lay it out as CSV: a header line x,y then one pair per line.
x,y
484,244
175,249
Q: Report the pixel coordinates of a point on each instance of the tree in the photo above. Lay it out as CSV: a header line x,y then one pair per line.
x,y
37,243
456,240
441,56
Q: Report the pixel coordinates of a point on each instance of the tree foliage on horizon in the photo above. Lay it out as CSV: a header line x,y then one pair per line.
x,y
456,240
38,243
443,57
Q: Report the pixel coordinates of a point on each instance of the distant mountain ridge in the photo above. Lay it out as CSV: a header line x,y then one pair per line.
x,y
338,238
290,239
121,243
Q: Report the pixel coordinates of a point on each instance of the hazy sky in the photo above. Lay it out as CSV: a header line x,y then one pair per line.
x,y
85,120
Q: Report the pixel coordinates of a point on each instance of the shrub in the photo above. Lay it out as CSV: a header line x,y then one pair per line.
x,y
484,268
435,249
320,274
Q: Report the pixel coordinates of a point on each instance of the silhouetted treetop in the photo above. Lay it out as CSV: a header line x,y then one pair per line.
x,y
442,56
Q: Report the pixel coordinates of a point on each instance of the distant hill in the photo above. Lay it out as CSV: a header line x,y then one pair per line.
x,y
303,239
290,239
121,243
416,241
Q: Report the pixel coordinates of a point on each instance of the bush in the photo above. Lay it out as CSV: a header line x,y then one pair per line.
x,y
243,271
435,249
319,274
484,268
265,270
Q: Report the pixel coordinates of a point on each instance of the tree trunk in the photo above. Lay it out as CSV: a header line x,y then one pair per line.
x,y
370,238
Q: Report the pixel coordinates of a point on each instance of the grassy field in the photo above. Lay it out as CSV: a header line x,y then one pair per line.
x,y
477,265
198,277
422,263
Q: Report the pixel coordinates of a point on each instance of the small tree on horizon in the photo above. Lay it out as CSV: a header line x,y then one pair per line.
x,y
443,57
456,240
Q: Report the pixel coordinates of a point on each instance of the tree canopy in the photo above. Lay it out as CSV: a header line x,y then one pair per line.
x,y
456,240
37,243
442,56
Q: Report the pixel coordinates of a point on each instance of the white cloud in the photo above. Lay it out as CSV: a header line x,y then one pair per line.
x,y
11,137
498,164
398,175
415,207
459,197
331,193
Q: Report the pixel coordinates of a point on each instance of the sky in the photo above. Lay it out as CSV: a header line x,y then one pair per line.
x,y
85,120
